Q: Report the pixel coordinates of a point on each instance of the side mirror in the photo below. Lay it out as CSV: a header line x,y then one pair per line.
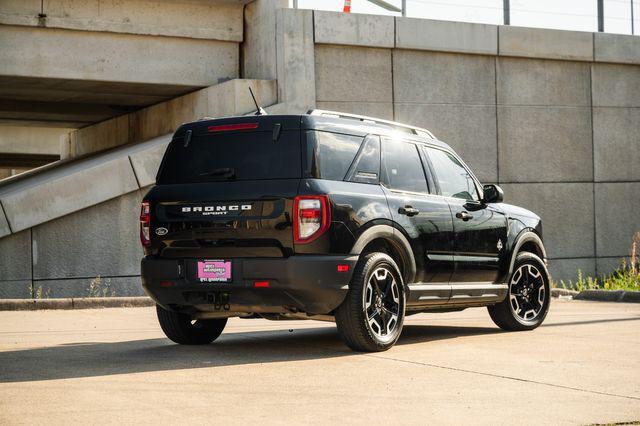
x,y
493,194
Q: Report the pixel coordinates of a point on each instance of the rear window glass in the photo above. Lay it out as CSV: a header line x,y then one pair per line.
x,y
367,165
331,154
232,156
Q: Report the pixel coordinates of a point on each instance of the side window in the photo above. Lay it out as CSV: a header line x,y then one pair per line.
x,y
332,153
454,180
367,165
402,167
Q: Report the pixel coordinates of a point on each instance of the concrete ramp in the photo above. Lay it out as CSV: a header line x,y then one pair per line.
x,y
122,164
70,229
60,189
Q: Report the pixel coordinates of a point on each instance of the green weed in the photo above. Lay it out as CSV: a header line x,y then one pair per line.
x,y
39,293
100,288
626,277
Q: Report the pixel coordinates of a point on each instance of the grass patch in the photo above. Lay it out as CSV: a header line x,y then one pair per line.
x,y
100,288
622,279
626,277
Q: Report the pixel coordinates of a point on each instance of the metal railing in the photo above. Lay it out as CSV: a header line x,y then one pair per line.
x,y
613,16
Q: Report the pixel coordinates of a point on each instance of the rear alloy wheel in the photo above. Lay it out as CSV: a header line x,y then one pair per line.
x,y
382,303
181,329
527,303
370,318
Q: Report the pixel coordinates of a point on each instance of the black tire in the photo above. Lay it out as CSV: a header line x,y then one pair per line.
x,y
512,313
179,327
352,316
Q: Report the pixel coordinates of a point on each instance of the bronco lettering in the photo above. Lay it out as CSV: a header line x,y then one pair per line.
x,y
232,207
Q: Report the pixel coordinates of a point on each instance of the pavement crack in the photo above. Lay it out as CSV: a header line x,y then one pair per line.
x,y
500,376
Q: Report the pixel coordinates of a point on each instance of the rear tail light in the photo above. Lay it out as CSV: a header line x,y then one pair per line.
x,y
311,217
145,223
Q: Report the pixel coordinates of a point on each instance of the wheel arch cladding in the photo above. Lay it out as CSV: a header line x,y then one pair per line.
x,y
394,242
527,241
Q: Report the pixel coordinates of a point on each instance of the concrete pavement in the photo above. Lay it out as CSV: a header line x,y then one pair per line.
x,y
115,366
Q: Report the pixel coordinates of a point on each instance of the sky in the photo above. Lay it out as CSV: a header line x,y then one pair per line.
x,y
579,15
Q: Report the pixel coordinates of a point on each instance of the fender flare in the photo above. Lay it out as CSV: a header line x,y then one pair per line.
x,y
524,237
394,237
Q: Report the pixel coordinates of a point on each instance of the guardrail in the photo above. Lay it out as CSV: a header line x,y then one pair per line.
x,y
611,16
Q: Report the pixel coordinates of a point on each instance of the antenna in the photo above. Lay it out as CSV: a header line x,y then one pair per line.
x,y
259,109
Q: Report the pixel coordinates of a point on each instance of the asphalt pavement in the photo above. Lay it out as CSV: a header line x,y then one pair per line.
x,y
115,366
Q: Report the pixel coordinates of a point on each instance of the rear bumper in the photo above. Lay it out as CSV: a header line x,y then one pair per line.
x,y
309,284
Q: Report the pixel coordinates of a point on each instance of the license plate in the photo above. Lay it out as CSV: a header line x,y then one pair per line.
x,y
214,271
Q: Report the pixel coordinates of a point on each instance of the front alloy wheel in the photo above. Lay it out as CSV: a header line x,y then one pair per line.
x,y
527,302
527,294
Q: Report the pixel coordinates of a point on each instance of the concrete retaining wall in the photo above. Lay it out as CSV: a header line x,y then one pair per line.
x,y
71,231
552,116
92,252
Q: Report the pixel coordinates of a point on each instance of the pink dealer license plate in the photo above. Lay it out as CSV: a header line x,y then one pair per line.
x,y
210,271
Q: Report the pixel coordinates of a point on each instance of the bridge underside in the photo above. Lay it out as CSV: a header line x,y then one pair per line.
x,y
65,66
68,103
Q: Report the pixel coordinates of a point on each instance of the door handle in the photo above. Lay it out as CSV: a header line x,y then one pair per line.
x,y
408,210
464,215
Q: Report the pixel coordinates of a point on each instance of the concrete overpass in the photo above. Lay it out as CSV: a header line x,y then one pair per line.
x,y
72,64
552,116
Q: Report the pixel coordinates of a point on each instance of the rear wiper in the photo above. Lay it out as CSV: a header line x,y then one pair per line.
x,y
226,172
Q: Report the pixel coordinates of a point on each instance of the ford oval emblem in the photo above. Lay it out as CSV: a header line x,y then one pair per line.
x,y
161,231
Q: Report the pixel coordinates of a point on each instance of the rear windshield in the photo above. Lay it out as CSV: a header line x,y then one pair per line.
x,y
232,156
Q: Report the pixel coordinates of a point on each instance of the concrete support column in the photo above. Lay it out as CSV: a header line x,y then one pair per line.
x,y
295,59
259,45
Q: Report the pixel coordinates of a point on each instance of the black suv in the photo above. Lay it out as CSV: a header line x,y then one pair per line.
x,y
336,217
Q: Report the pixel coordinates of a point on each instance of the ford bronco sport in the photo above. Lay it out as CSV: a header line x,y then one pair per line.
x,y
336,217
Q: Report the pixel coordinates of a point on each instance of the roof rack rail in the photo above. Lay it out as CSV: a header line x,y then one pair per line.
x,y
412,129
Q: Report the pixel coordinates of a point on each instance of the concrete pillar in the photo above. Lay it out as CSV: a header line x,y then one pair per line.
x,y
259,45
295,59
